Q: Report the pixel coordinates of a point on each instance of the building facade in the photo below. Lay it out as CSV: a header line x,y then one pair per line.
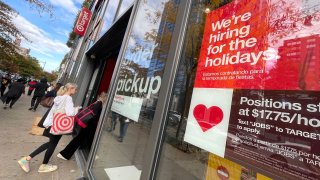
x,y
201,89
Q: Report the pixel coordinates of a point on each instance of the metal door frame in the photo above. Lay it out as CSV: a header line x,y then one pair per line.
x,y
171,67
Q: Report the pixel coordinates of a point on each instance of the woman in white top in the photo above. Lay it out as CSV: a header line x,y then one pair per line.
x,y
63,100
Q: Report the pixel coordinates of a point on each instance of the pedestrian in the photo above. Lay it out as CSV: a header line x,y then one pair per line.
x,y
5,81
51,94
16,89
62,101
75,143
33,82
39,92
51,87
124,123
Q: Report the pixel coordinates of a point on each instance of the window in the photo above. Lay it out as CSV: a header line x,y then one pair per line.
x,y
109,16
127,125
289,78
125,4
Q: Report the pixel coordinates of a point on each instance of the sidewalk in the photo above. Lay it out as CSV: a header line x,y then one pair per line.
x,y
15,142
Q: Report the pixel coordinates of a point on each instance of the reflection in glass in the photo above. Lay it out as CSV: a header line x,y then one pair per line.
x,y
128,123
292,76
179,159
109,16
96,21
125,4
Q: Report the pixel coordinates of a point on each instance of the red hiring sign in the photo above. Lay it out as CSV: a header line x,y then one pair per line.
x,y
82,22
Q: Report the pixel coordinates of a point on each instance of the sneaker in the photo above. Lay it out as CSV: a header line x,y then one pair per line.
x,y
120,139
33,110
61,157
24,164
47,168
30,108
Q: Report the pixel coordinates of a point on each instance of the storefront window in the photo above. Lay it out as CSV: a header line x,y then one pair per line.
x,y
127,125
245,104
109,16
96,21
125,4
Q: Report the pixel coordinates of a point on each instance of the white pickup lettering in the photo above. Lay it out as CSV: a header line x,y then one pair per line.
x,y
142,85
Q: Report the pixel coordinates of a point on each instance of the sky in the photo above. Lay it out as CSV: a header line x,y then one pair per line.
x,y
47,36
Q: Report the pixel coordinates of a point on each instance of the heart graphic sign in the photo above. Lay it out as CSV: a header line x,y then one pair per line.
x,y
207,117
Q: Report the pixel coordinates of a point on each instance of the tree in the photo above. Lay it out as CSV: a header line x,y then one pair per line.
x,y
9,58
41,6
29,67
8,31
50,76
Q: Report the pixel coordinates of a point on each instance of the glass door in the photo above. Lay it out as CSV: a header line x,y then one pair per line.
x,y
127,124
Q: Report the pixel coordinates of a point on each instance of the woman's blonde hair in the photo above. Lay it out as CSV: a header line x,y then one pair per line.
x,y
103,97
64,89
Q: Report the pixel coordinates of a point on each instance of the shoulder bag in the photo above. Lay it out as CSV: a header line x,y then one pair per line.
x,y
61,123
47,101
84,116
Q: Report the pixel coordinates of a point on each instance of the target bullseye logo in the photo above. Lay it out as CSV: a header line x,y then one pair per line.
x,y
63,122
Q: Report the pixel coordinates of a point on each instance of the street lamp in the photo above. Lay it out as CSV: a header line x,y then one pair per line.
x,y
44,64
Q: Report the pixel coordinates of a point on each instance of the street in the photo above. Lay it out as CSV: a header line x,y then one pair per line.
x,y
16,142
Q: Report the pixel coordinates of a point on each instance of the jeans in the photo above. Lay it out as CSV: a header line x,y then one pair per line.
x,y
35,101
123,125
49,146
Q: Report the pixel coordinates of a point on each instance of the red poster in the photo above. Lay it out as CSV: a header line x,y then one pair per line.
x,y
256,95
239,50
82,23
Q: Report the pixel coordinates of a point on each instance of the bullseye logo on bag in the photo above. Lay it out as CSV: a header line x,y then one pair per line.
x,y
62,124
208,119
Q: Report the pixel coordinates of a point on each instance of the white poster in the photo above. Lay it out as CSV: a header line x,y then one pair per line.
x,y
129,107
208,119
117,173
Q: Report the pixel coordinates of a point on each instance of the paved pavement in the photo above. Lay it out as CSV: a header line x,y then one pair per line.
x,y
16,142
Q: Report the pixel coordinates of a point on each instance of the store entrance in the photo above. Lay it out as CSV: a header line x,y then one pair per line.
x,y
100,83
106,52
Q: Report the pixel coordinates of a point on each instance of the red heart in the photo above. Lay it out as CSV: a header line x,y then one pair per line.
x,y
207,118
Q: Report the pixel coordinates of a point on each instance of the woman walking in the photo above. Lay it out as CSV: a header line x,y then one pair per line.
x,y
62,101
15,91
75,143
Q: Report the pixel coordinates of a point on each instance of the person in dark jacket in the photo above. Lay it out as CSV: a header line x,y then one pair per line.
x,y
5,82
15,91
53,92
40,91
75,143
